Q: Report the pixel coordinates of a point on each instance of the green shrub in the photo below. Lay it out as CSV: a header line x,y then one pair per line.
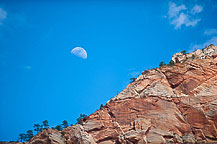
x,y
193,57
45,124
171,63
132,80
101,106
211,45
81,118
38,127
21,137
183,52
59,127
29,135
162,64
65,124
63,133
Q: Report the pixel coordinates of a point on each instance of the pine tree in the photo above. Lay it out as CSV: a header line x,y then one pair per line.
x,y
183,52
101,106
132,80
37,127
171,63
21,137
45,124
81,118
29,135
59,127
65,124
162,64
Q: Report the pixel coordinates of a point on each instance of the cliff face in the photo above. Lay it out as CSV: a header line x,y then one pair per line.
x,y
171,104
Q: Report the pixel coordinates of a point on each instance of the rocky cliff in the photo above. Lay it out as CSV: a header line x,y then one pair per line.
x,y
171,104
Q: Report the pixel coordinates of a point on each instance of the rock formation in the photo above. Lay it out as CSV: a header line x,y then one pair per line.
x,y
171,104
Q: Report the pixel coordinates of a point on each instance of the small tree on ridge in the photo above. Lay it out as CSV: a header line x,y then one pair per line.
x,y
45,124
65,124
37,127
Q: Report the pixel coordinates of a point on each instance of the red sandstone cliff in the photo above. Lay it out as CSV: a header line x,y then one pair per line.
x,y
171,104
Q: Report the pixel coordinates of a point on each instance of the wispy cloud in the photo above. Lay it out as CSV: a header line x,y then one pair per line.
x,y
212,40
211,35
183,19
180,15
174,10
210,32
134,73
3,15
196,9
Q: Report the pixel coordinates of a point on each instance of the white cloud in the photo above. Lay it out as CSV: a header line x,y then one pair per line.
x,y
3,15
174,10
212,40
184,19
80,52
180,15
210,32
196,9
134,74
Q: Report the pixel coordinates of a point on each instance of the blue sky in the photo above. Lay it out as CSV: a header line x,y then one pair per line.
x,y
42,79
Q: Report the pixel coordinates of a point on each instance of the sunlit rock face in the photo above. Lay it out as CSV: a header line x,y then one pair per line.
x,y
209,52
171,104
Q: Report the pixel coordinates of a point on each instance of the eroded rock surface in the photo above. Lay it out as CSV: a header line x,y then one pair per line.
x,y
47,136
171,104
